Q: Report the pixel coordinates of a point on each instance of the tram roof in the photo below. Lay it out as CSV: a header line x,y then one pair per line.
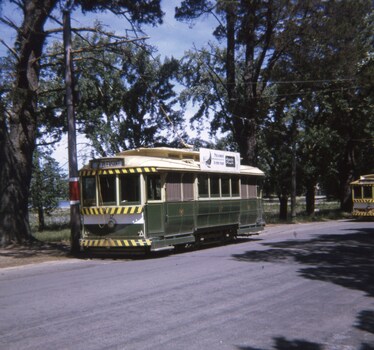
x,y
364,179
165,158
163,152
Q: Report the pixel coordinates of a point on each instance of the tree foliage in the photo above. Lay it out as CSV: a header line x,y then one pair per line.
x,y
323,74
49,185
124,95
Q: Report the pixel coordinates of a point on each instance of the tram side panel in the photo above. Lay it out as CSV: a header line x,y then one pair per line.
x,y
179,218
169,224
217,213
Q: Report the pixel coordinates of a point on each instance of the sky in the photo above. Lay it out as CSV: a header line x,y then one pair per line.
x,y
172,38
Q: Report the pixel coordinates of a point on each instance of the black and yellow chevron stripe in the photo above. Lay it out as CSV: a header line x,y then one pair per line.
x,y
112,210
109,242
117,171
363,213
363,200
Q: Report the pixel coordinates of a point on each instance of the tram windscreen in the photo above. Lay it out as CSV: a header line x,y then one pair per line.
x,y
130,188
107,194
367,192
357,192
89,191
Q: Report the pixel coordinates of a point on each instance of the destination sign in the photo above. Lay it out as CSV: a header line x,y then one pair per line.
x,y
107,163
219,161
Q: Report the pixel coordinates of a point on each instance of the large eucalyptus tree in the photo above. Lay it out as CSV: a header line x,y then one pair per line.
x,y
232,78
19,119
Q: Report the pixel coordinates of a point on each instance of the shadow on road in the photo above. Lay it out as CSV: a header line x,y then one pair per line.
x,y
344,259
284,344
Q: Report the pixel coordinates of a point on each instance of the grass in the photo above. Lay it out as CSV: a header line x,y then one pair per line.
x,y
57,227
53,236
324,210
58,231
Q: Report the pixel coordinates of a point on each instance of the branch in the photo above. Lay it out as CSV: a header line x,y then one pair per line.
x,y
9,23
46,92
10,49
98,47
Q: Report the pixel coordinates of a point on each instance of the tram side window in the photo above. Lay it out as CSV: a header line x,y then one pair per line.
x,y
249,187
203,185
89,191
173,187
244,187
259,188
130,188
153,187
367,192
225,186
107,194
252,188
188,182
235,186
214,186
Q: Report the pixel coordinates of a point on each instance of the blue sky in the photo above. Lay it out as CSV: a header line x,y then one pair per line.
x,y
172,38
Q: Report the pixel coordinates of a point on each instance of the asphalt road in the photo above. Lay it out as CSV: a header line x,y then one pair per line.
x,y
294,287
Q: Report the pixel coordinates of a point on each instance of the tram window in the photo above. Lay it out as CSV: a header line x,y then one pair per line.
x,y
130,188
89,191
235,186
173,187
107,193
244,187
259,188
225,186
367,191
252,188
203,185
188,182
153,187
357,192
214,186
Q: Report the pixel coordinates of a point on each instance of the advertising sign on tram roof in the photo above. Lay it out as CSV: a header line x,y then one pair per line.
x,y
219,161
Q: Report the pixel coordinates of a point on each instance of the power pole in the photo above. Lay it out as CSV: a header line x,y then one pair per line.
x,y
75,224
293,170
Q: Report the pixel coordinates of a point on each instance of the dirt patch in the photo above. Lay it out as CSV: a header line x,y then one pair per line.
x,y
16,255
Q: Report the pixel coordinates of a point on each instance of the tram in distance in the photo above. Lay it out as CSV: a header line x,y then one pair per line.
x,y
363,196
152,199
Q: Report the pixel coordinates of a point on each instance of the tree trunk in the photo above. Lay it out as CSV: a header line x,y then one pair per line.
x,y
310,199
347,176
244,128
283,201
18,131
245,134
14,179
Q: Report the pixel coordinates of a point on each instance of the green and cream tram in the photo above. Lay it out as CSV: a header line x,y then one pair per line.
x,y
363,196
161,198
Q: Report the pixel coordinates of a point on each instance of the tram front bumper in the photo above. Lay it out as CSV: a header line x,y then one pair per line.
x,y
114,243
